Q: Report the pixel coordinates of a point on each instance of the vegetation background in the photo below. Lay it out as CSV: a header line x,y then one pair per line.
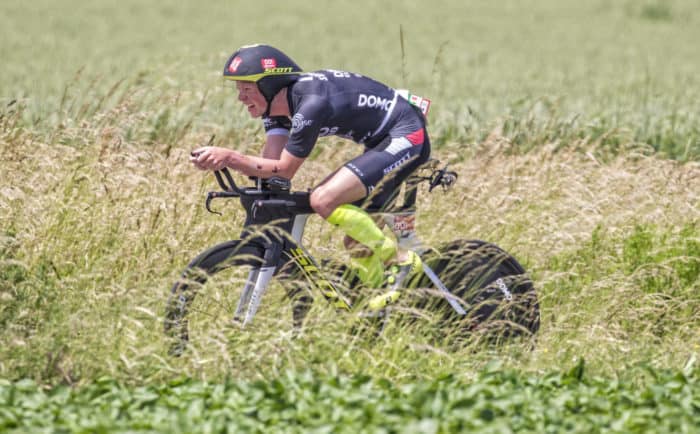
x,y
574,126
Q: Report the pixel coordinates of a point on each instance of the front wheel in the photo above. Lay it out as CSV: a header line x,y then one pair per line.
x,y
181,302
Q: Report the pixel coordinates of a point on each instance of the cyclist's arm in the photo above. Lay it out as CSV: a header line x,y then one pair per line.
x,y
297,143
276,136
282,154
292,152
216,158
274,145
286,166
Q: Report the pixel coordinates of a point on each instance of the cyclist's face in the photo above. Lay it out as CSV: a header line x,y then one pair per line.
x,y
249,94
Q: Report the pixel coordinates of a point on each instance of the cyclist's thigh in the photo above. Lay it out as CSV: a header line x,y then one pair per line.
x,y
382,169
340,188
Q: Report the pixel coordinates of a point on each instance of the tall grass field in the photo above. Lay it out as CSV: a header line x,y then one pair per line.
x,y
574,128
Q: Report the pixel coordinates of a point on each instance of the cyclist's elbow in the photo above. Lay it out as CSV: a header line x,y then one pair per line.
x,y
286,173
288,165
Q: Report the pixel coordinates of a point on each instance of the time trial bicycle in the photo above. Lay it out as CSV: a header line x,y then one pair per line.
x,y
473,286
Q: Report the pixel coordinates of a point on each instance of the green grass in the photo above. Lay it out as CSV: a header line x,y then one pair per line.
x,y
573,127
617,73
495,401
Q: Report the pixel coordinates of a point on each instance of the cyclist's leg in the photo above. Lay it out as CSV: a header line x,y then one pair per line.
x,y
359,177
383,167
388,165
411,151
357,249
354,247
414,151
332,199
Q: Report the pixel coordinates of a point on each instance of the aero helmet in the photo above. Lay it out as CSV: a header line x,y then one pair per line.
x,y
268,67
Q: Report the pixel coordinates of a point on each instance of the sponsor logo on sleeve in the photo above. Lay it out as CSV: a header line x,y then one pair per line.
x,y
328,131
298,122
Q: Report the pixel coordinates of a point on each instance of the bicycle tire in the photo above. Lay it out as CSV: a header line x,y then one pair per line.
x,y
476,273
499,296
183,292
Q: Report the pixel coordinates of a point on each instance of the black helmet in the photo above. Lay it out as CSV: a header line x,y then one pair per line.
x,y
267,66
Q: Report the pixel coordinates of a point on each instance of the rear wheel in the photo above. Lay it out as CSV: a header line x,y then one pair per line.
x,y
490,285
499,297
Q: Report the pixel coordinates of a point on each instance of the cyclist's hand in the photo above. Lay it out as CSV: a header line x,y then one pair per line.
x,y
211,157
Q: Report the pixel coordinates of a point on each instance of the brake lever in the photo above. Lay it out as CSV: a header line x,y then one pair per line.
x,y
215,195
210,196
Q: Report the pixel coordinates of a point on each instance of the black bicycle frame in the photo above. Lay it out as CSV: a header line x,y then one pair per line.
x,y
275,221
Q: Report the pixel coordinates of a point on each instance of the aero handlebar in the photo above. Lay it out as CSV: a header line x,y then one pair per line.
x,y
439,177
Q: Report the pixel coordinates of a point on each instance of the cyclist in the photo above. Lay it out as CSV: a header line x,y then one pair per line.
x,y
297,108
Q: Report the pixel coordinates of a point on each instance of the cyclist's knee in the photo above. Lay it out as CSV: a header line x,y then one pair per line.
x,y
322,202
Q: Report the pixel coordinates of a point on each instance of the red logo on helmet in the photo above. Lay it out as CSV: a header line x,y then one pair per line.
x,y
270,63
235,63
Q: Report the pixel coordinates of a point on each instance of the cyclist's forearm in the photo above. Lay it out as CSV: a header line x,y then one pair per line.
x,y
255,166
263,167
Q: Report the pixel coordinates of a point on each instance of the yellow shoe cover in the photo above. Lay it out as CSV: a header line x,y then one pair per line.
x,y
369,269
381,301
